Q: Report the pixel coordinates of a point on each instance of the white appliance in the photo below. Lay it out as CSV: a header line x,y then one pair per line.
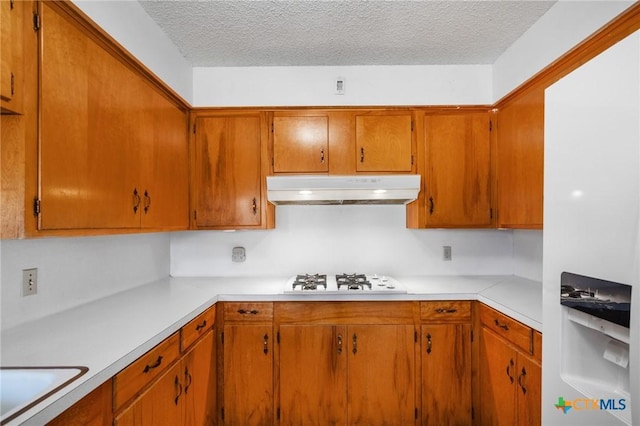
x,y
310,284
330,189
591,229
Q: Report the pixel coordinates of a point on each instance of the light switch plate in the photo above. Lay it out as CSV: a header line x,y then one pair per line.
x,y
29,281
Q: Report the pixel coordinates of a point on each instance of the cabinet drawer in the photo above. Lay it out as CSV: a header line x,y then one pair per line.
x,y
253,312
446,310
198,327
514,331
144,370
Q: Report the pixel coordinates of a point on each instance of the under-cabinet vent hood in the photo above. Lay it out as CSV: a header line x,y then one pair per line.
x,y
308,189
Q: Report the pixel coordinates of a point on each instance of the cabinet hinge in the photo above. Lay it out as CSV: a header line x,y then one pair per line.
x,y
36,21
194,127
416,413
415,336
222,337
278,337
13,84
278,413
471,336
36,207
412,125
272,127
491,213
222,413
490,125
11,4
195,215
412,159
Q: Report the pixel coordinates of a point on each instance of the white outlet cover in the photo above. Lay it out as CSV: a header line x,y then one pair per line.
x,y
238,254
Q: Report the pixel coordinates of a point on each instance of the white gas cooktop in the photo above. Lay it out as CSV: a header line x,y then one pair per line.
x,y
343,284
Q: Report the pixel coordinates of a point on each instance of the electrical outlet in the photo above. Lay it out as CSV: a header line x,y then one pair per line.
x,y
446,253
238,254
29,281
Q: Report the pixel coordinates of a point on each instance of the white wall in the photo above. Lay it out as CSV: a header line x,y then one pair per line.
x,y
365,85
129,25
564,26
73,271
527,254
341,239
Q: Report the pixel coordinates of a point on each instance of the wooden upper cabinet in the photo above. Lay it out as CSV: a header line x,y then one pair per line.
x,y
384,142
11,37
300,144
113,150
228,174
458,170
520,161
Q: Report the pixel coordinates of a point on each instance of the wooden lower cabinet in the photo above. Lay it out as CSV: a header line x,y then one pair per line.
x,y
183,395
248,374
510,383
339,370
92,410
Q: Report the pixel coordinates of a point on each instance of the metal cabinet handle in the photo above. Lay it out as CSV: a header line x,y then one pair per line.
x,y
136,200
339,344
446,311
362,154
245,312
266,344
254,206
431,205
511,364
178,387
322,155
429,343
520,379
156,364
202,325
188,380
147,201
501,325
355,344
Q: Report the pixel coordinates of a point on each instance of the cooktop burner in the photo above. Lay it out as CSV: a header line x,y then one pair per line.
x,y
343,283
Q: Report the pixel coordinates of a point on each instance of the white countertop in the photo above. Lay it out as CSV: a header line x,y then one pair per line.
x,y
109,334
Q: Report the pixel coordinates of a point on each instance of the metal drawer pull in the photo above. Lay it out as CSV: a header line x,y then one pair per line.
x,y
266,344
524,373
202,325
501,325
188,379
136,200
254,206
355,344
244,312
339,344
362,154
322,155
509,370
446,311
428,343
147,201
431,205
156,364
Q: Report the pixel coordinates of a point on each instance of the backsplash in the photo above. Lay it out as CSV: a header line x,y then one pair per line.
x,y
342,239
74,271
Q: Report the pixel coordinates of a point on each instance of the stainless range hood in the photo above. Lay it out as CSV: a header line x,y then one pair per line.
x,y
362,189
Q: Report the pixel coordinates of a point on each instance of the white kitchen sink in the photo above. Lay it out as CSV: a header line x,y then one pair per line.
x,y
23,387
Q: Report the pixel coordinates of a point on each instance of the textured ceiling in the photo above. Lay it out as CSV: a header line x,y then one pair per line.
x,y
217,33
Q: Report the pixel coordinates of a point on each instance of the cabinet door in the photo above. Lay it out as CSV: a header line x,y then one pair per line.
x,y
381,374
384,143
248,375
164,164
300,144
520,161
313,372
227,171
88,164
160,404
528,389
498,375
446,374
11,44
198,368
458,169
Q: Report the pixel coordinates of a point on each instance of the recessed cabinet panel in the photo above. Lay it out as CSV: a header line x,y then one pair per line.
x,y
300,144
383,143
227,171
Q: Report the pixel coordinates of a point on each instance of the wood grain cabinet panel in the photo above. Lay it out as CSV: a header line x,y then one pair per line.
x,y
384,142
12,13
300,144
458,170
113,151
227,186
